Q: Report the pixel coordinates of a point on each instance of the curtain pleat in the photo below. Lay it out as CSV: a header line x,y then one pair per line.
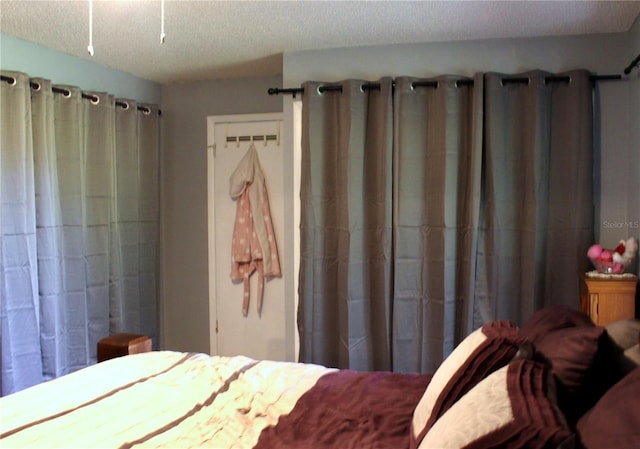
x,y
102,270
344,319
148,238
19,305
437,173
490,192
135,228
51,262
571,205
78,162
69,119
538,212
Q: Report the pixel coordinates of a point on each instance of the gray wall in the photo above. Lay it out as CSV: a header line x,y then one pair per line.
x,y
184,206
602,54
38,61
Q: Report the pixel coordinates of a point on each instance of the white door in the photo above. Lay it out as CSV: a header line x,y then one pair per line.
x,y
260,337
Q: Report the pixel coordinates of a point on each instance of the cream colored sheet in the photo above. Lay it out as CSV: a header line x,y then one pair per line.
x,y
156,399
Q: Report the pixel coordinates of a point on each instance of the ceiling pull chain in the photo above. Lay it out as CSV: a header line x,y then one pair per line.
x,y
162,35
90,47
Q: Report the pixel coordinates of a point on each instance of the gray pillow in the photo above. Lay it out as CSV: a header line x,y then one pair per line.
x,y
633,354
625,336
624,333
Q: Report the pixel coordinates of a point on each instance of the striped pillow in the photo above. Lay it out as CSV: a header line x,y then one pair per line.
x,y
513,408
482,352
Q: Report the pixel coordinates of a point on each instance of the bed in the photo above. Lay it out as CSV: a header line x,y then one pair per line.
x,y
558,381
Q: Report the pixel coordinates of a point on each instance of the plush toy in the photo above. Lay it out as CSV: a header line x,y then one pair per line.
x,y
614,260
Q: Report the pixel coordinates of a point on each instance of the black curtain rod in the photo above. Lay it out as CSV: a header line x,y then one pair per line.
x,y
630,67
461,82
67,93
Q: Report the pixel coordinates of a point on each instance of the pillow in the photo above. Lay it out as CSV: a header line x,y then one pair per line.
x,y
632,355
578,353
624,336
553,318
482,352
512,408
614,422
572,353
624,333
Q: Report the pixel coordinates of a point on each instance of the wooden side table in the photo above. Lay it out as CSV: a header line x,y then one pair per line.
x,y
117,345
607,298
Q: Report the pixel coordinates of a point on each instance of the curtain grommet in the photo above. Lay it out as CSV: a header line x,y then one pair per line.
x,y
95,99
505,81
35,86
563,79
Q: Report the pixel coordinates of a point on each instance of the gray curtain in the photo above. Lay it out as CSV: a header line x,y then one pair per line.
x,y
437,169
78,233
344,314
135,224
537,218
399,262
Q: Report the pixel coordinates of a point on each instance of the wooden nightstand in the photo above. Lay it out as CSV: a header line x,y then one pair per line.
x,y
608,298
118,345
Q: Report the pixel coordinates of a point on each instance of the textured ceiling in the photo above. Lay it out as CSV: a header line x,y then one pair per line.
x,y
227,39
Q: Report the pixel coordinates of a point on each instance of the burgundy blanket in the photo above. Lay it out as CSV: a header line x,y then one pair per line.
x,y
348,409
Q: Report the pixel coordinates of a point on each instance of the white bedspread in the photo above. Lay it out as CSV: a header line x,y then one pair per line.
x,y
157,399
